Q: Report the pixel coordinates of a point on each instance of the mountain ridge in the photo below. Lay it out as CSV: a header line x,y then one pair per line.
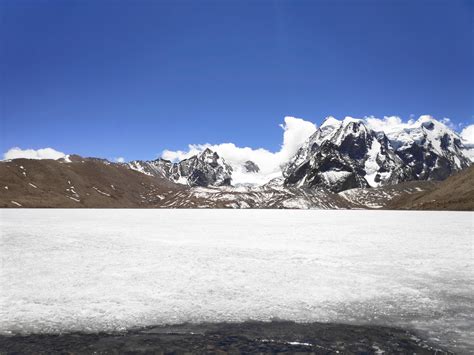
x,y
343,164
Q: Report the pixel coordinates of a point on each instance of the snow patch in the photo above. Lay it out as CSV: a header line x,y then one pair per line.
x,y
101,192
371,165
332,177
182,180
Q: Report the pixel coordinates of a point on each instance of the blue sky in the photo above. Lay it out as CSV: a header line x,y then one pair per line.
x,y
132,78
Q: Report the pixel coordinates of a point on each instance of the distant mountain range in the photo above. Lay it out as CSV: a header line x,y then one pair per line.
x,y
344,164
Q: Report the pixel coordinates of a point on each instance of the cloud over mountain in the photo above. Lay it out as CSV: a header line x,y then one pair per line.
x,y
295,132
43,153
468,134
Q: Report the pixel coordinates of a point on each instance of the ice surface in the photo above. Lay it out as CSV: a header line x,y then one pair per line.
x,y
92,270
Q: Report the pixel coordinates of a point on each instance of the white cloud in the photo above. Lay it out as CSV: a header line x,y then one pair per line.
x,y
467,134
177,155
120,159
44,153
388,123
295,132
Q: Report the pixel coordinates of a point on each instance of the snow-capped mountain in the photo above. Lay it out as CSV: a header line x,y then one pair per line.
x,y
431,149
345,154
340,155
347,163
204,169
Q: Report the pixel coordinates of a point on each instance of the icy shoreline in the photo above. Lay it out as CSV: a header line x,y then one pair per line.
x,y
248,337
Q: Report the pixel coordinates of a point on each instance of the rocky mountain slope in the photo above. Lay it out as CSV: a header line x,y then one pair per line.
x,y
348,154
203,169
430,149
342,155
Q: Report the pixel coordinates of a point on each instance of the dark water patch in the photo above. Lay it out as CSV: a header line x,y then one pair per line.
x,y
228,338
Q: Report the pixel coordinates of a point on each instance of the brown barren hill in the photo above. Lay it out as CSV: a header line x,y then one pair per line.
x,y
456,193
82,182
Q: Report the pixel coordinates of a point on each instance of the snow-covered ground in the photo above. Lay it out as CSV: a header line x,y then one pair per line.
x,y
91,270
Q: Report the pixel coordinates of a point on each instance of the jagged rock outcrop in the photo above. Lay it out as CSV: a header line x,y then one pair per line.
x,y
204,169
342,155
251,167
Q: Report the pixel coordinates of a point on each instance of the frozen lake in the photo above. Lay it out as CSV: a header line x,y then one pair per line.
x,y
90,270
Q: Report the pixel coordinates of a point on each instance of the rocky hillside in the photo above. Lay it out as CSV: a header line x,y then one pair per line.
x,y
454,193
82,182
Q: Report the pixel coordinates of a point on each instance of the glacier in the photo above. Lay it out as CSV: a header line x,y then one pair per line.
x,y
111,270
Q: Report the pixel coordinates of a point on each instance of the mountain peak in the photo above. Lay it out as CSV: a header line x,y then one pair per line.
x,y
204,169
207,152
330,121
347,120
